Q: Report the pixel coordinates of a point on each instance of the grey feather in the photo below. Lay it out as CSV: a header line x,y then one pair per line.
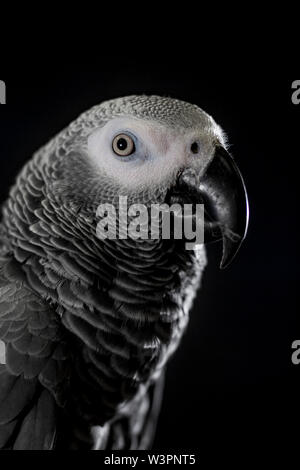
x,y
88,324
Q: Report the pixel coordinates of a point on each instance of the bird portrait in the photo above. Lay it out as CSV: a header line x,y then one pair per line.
x,y
88,324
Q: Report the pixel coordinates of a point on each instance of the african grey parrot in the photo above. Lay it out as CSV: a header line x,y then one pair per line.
x,y
88,324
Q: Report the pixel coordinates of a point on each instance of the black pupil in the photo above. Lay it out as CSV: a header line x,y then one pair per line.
x,y
194,147
122,144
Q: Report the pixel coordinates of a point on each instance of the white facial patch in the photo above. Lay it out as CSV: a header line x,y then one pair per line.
x,y
159,152
2,353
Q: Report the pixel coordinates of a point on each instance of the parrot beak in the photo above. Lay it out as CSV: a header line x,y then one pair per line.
x,y
225,204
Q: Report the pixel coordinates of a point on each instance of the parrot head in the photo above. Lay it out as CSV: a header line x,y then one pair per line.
x,y
153,149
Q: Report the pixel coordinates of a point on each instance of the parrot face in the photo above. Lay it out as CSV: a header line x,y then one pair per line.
x,y
153,153
87,325
154,149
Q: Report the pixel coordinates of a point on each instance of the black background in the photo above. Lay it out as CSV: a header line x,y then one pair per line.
x,y
232,381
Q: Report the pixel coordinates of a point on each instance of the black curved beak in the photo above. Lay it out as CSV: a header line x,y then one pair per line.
x,y
225,204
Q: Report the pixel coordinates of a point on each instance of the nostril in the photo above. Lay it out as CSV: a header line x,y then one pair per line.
x,y
195,147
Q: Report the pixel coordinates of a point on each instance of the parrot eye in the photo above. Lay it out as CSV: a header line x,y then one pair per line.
x,y
123,145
